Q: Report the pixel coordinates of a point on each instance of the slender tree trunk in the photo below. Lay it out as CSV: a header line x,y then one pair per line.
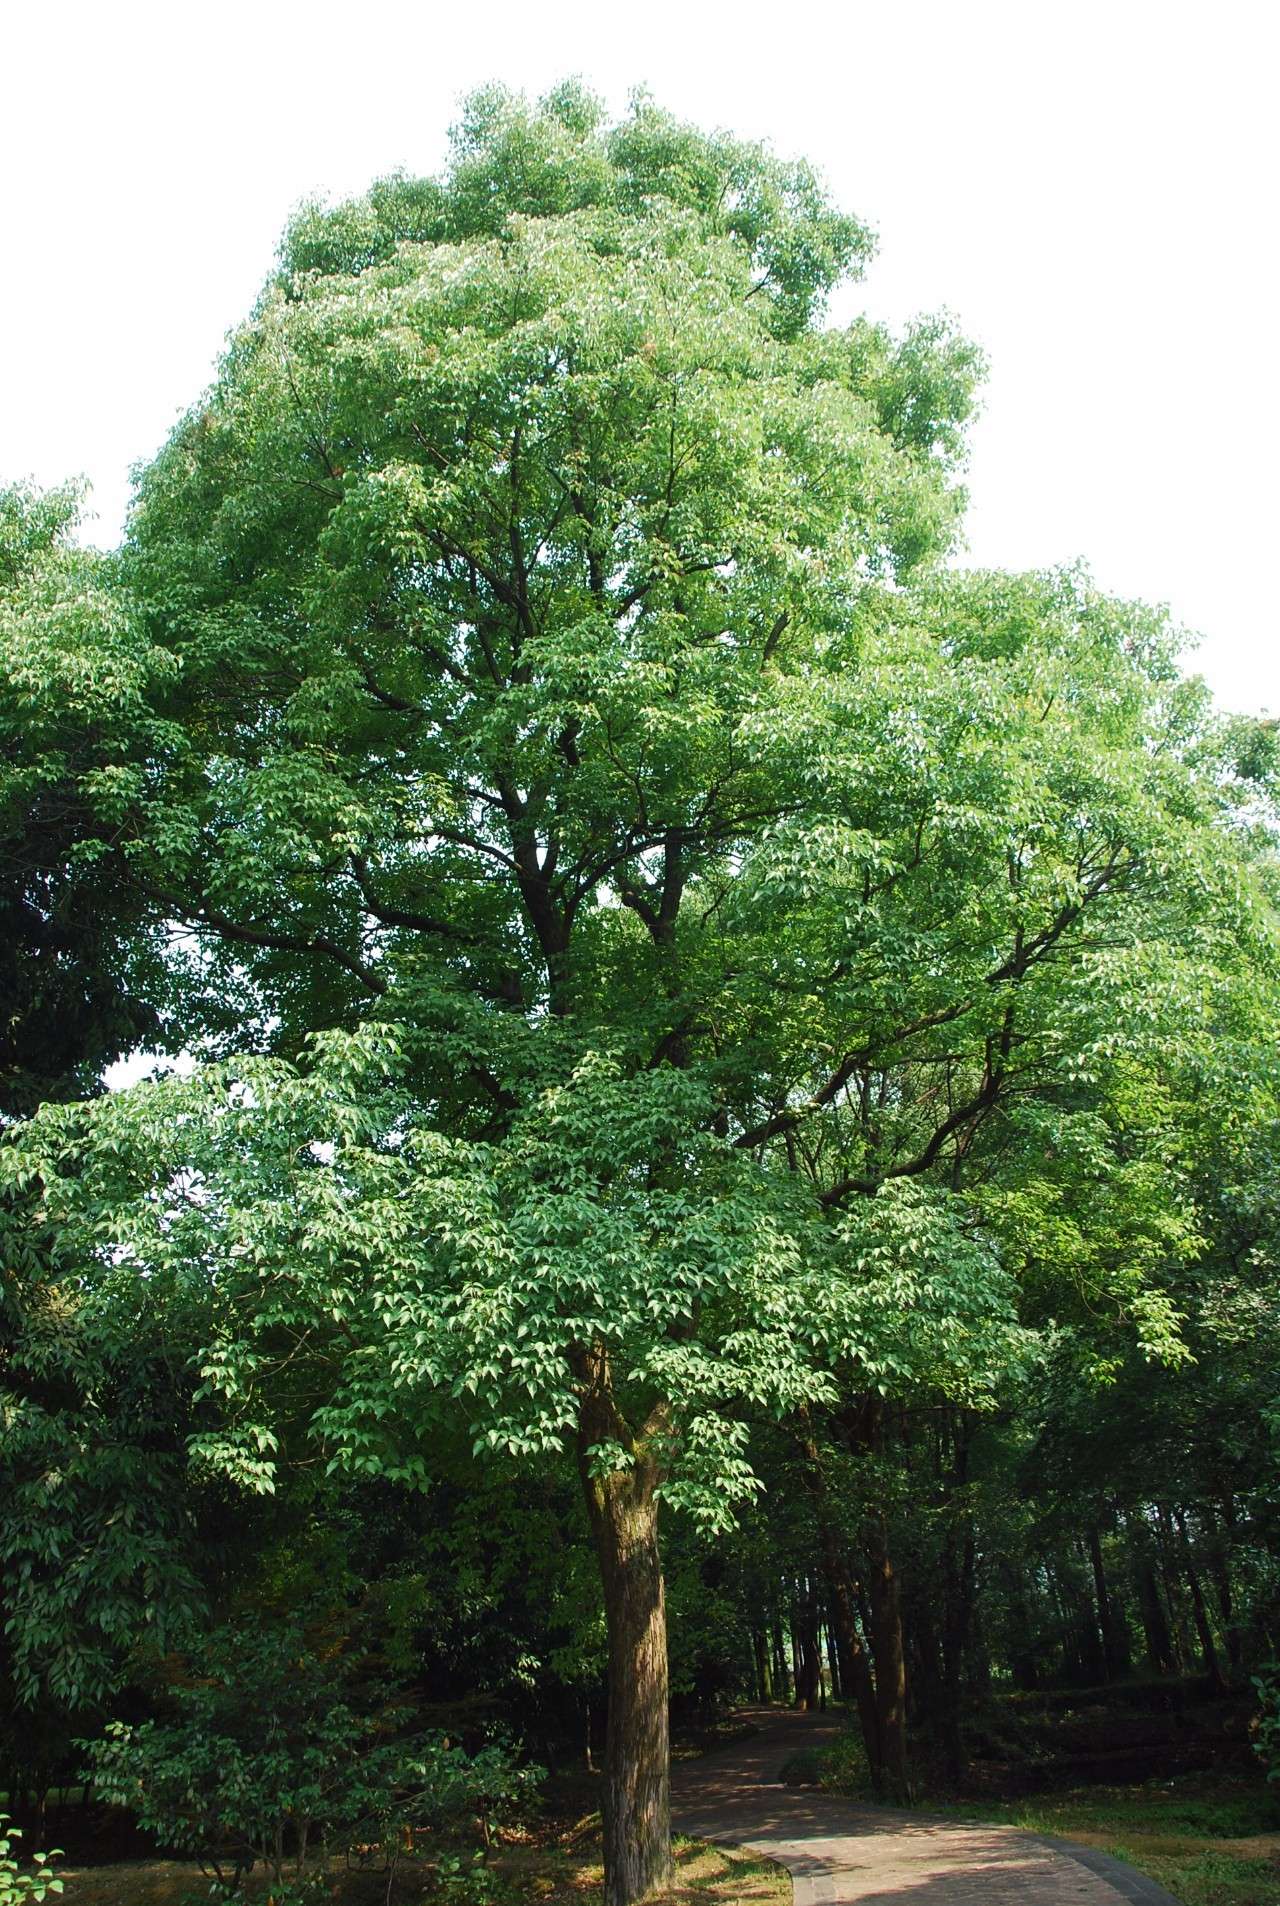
x,y
855,1669
1111,1650
882,1622
1023,1661
957,1628
764,1679
808,1658
1204,1633
782,1679
1066,1608
1220,1573
833,1660
1169,1578
977,1648
925,1672
891,1667
623,1513
1092,1649
1155,1623
959,1560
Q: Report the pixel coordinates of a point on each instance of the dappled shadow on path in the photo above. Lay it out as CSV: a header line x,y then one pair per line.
x,y
839,1851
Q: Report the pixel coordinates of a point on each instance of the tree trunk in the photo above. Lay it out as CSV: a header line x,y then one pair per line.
x,y
891,1667
1155,1623
1112,1652
782,1679
1023,1661
926,1675
957,1627
764,1676
1204,1633
637,1779
1092,1647
1220,1572
855,1669
1169,1578
833,1661
804,1626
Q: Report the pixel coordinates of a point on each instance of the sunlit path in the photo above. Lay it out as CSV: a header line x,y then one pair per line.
x,y
839,1853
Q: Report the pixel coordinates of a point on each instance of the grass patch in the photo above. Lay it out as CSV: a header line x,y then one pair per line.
x,y
839,1767
704,1874
556,1866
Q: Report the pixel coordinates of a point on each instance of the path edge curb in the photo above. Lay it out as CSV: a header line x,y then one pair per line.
x,y
1129,1881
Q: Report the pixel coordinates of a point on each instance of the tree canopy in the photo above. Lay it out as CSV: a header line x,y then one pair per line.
x,y
674,955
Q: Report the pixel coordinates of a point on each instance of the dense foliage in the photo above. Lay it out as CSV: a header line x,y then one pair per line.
x,y
702,1006
77,968
279,1749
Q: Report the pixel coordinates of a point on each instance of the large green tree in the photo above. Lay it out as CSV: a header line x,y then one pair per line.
x,y
658,884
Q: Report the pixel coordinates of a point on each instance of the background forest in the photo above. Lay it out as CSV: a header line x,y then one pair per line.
x,y
726,1142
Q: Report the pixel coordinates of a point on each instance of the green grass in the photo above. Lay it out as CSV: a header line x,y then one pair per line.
x,y
539,1868
1207,1878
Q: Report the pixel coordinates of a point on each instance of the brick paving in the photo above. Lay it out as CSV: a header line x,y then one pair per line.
x,y
843,1854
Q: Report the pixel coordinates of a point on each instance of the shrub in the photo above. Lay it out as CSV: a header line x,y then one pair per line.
x,y
1266,1724
18,1887
277,1754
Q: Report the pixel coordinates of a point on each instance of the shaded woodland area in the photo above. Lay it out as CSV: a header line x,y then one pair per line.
x,y
725,1142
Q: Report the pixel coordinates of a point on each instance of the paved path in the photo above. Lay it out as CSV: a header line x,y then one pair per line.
x,y
843,1854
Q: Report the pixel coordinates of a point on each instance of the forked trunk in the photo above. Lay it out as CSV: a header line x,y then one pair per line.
x,y
637,1777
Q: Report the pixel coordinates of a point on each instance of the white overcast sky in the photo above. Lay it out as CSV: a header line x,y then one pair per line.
x,y
1090,188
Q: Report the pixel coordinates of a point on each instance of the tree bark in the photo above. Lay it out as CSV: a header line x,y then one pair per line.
x,y
804,1623
1220,1572
1023,1661
1169,1575
959,1563
891,1667
957,1629
1204,1633
1155,1623
623,1513
855,1669
1112,1651
781,1675
833,1661
764,1674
